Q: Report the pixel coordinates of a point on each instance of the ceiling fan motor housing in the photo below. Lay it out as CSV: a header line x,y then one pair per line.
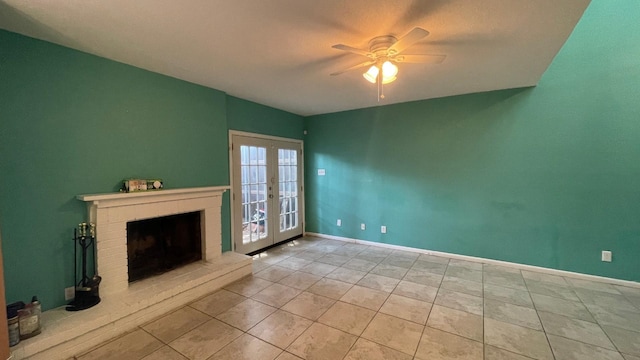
x,y
380,44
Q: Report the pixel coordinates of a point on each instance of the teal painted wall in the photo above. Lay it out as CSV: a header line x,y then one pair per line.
x,y
73,123
244,115
547,176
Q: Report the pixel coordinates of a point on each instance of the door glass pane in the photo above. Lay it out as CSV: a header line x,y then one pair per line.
x,y
253,170
262,155
253,154
244,155
288,185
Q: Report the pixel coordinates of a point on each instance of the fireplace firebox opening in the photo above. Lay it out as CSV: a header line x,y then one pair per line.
x,y
158,245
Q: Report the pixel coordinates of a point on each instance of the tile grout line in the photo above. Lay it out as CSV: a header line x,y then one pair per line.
x,y
316,321
313,321
378,312
598,322
546,335
430,310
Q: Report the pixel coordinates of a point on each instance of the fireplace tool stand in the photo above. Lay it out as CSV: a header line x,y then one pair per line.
x,y
86,290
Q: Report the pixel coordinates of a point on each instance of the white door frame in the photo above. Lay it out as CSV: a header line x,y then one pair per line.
x,y
231,179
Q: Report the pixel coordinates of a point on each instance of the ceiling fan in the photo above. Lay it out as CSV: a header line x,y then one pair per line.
x,y
384,52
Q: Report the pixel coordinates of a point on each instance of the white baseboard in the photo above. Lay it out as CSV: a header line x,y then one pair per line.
x,y
484,260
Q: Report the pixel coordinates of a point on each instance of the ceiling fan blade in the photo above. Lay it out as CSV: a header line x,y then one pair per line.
x,y
355,67
353,50
426,59
411,38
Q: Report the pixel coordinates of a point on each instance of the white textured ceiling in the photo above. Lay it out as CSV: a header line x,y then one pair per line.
x,y
278,52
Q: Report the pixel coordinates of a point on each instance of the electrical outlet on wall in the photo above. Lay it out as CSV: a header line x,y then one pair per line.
x,y
362,226
339,222
69,293
606,256
383,229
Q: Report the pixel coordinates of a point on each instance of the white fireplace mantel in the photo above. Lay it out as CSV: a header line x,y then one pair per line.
x,y
132,198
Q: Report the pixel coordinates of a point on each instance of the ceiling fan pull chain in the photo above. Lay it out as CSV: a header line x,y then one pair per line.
x,y
380,87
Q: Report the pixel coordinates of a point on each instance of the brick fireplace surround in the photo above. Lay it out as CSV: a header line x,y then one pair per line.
x,y
125,306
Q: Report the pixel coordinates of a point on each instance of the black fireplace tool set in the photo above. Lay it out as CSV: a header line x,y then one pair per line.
x,y
87,289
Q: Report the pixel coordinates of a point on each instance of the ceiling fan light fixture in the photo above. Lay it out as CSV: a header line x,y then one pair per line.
x,y
384,52
389,69
372,74
389,72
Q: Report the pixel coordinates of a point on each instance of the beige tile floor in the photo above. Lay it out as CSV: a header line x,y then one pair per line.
x,y
324,299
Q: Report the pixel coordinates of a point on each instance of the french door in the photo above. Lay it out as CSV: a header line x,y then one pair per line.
x,y
266,191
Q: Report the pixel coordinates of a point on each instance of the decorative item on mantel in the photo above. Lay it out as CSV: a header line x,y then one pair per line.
x,y
86,290
132,185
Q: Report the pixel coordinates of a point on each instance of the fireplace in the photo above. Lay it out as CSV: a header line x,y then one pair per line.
x,y
112,214
157,245
126,305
